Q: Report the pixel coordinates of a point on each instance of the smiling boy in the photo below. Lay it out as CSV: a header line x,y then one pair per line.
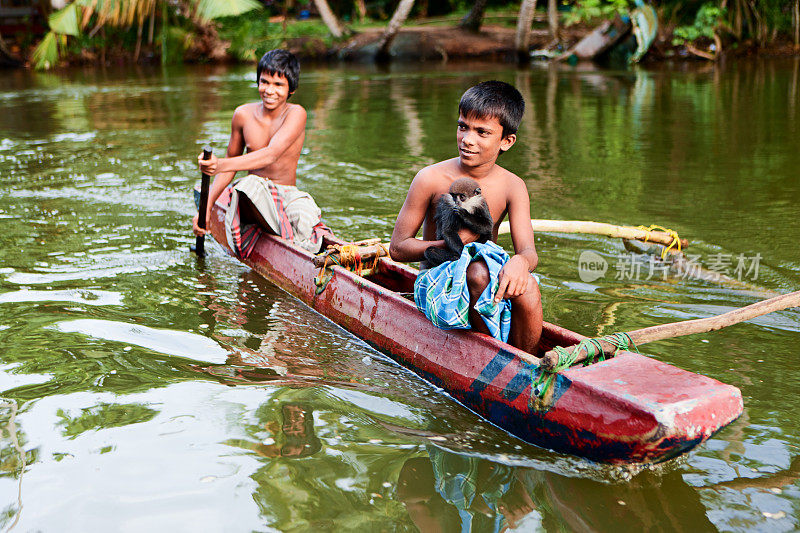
x,y
489,115
272,131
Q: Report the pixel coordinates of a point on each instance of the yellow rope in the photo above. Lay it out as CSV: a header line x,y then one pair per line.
x,y
378,255
676,241
321,276
349,257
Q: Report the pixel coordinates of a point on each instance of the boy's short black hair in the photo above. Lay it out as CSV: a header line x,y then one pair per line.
x,y
494,99
281,62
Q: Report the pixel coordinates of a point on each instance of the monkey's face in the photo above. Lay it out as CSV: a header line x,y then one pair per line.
x,y
471,203
461,197
466,194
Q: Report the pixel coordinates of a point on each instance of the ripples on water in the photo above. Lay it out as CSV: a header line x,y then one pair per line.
x,y
144,388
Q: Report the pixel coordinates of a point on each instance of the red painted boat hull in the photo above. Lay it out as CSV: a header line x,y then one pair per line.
x,y
629,409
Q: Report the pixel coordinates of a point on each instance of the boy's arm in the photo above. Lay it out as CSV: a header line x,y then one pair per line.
x,y
405,246
293,126
515,277
235,148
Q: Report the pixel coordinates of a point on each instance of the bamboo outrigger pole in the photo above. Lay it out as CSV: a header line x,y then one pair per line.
x,y
600,228
687,327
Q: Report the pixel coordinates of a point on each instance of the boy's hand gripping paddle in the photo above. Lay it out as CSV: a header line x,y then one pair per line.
x,y
199,246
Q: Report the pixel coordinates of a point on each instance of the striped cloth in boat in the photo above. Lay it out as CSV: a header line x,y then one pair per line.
x,y
291,213
442,294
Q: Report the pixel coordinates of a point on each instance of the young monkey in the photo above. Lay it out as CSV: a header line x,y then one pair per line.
x,y
462,206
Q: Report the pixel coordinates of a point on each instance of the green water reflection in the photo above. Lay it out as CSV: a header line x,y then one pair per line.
x,y
142,388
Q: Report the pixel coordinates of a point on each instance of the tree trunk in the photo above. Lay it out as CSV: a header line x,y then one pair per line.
x,y
522,40
399,17
472,20
103,46
737,20
422,8
287,5
361,10
138,41
552,18
329,18
796,24
164,33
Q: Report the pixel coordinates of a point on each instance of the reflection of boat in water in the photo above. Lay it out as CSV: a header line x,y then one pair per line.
x,y
628,409
448,491
452,487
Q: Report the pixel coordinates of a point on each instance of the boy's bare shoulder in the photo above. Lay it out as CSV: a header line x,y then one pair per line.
x,y
296,109
245,112
513,182
430,182
437,173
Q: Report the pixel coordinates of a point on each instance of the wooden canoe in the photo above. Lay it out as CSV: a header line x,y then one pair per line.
x,y
629,409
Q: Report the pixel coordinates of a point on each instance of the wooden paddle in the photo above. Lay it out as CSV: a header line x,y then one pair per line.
x,y
599,228
200,242
687,327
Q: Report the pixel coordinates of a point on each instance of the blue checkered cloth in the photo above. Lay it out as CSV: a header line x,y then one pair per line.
x,y
441,292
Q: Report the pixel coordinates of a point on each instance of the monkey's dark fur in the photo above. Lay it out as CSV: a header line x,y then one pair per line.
x,y
462,207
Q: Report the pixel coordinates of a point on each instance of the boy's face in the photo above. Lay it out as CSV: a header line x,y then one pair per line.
x,y
274,90
480,140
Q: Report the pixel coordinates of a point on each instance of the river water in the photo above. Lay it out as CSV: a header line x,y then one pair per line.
x,y
142,390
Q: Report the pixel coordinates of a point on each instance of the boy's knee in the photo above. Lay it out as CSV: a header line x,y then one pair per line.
x,y
530,299
477,277
533,291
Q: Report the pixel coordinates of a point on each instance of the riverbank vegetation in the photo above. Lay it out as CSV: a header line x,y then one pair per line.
x,y
105,31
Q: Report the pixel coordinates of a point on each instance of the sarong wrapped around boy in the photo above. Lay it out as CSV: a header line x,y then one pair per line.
x,y
441,293
290,213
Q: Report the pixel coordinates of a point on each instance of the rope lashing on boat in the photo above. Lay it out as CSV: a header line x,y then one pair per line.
x,y
349,256
676,241
378,256
324,276
592,347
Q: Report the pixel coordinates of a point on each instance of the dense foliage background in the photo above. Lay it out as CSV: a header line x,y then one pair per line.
x,y
212,30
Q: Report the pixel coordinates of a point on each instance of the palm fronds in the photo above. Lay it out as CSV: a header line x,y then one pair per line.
x,y
74,19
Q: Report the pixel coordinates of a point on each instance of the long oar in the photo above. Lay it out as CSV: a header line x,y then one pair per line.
x,y
200,242
600,228
687,327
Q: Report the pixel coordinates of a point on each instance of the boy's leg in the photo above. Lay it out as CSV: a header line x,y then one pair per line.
x,y
526,310
526,320
302,211
477,280
249,214
304,215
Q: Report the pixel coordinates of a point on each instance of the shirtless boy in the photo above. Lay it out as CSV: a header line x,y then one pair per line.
x,y
272,131
489,115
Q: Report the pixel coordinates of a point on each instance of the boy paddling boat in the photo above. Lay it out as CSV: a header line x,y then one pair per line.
x,y
272,131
